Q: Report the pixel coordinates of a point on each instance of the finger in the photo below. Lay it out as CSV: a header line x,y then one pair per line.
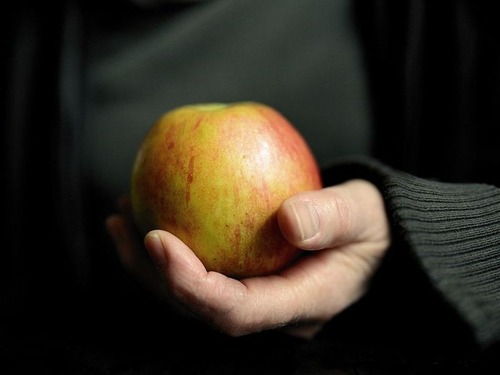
x,y
132,255
255,304
126,244
206,295
124,204
331,217
166,250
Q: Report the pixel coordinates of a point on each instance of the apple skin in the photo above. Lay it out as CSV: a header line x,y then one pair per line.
x,y
214,175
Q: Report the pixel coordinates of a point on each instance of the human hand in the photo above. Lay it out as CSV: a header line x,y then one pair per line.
x,y
343,229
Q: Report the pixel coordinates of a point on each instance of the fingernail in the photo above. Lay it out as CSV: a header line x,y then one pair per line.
x,y
155,247
307,219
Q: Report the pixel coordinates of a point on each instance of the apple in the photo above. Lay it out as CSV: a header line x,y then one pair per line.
x,y
214,175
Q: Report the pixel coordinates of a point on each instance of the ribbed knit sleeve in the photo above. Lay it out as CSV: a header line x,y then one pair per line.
x,y
453,231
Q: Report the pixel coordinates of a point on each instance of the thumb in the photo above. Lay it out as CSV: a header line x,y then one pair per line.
x,y
349,212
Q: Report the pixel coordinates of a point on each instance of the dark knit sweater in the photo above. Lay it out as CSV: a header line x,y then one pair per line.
x,y
434,76
451,230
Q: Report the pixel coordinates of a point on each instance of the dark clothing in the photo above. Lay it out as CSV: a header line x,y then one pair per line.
x,y
432,74
435,84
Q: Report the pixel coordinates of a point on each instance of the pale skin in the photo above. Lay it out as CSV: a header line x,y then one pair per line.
x,y
343,229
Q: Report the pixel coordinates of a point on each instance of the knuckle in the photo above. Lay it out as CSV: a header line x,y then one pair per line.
x,y
339,217
233,325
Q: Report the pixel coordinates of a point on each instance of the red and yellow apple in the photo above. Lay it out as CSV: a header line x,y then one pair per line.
x,y
214,175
